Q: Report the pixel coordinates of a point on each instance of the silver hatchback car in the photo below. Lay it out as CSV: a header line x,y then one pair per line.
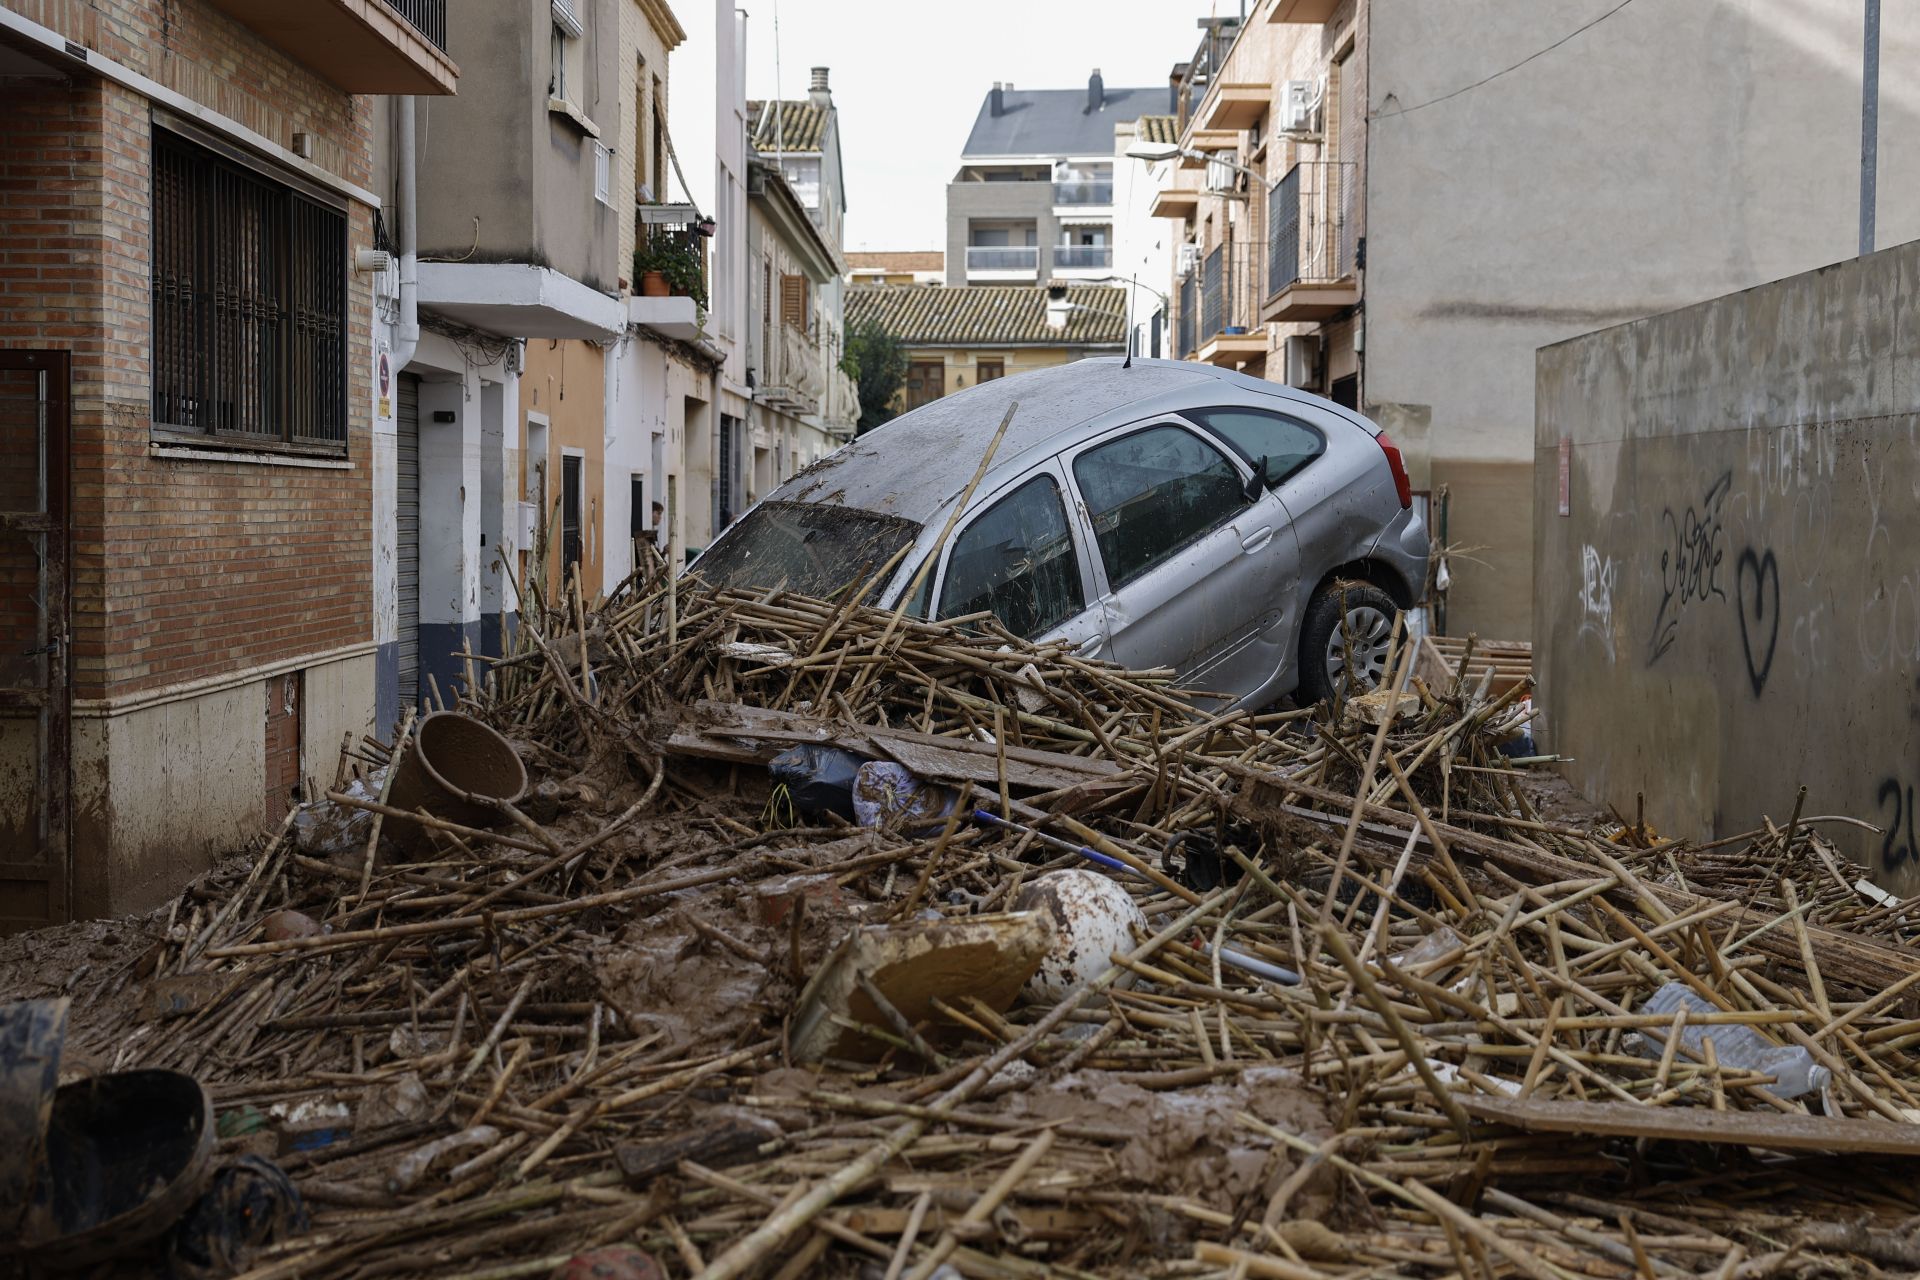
x,y
1159,514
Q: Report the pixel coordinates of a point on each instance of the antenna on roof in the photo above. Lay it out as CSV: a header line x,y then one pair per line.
x,y
779,117
1132,292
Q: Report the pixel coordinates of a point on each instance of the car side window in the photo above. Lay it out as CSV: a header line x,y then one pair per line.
x,y
1287,444
1017,560
1151,493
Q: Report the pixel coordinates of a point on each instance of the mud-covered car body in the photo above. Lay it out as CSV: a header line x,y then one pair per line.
x,y
1163,514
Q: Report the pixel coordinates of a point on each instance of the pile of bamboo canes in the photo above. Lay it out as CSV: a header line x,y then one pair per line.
x,y
1463,1082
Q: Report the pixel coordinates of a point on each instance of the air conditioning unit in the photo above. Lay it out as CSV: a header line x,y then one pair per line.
x,y
1189,259
1300,106
1221,176
1303,360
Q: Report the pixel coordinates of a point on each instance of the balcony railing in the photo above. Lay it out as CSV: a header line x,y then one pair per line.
x,y
1003,258
1075,257
1079,193
1228,301
1189,318
1205,65
1310,225
428,17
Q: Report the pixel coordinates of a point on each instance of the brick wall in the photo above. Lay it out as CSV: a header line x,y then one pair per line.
x,y
181,569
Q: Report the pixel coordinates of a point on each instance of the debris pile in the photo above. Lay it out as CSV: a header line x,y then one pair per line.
x,y
1341,1002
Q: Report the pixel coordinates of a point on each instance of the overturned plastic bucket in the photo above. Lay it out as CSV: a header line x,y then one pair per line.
x,y
456,769
97,1168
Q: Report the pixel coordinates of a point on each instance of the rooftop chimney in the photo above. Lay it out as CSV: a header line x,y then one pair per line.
x,y
1096,92
996,102
819,94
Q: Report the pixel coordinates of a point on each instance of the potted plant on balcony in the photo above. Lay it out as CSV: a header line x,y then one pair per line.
x,y
669,264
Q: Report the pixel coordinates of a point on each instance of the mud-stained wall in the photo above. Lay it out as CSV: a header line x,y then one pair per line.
x,y
1729,606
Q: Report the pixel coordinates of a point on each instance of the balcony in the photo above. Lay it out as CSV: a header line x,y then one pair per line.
x,y
1229,331
1234,106
1003,262
360,46
1315,11
1205,142
1312,248
1072,195
1175,202
1082,257
1204,67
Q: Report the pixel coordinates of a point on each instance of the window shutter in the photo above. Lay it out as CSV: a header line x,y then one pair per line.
x,y
793,300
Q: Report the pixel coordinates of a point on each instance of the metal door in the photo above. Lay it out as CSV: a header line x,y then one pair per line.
x,y
35,841
1085,623
407,542
1200,609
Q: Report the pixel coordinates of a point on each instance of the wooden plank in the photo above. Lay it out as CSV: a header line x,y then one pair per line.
x,y
1775,1131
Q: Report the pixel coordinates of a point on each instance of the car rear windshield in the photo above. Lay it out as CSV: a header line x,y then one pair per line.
x,y
808,547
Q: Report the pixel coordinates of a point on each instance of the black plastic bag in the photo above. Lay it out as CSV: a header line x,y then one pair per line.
x,y
819,779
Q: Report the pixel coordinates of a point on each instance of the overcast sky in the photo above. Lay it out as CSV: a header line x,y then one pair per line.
x,y
908,79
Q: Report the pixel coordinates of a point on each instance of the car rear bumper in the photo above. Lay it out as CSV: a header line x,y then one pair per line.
x,y
1403,547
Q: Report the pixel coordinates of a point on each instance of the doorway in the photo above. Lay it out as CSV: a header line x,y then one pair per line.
x,y
35,693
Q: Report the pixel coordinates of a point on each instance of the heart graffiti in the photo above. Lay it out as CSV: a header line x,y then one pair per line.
x,y
1757,577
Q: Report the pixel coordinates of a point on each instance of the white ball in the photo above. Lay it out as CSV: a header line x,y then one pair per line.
x,y
1092,916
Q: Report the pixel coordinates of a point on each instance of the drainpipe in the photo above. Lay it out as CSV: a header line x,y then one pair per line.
x,y
406,336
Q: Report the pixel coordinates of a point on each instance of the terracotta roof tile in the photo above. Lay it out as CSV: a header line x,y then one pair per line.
x,y
980,315
1163,129
796,126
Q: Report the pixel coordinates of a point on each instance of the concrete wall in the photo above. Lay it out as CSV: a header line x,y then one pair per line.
x,y
1674,151
531,200
166,782
1732,606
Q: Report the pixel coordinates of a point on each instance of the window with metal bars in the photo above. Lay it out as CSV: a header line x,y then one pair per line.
x,y
249,305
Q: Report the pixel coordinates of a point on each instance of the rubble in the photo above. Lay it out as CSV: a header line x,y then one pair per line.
x,y
1377,1018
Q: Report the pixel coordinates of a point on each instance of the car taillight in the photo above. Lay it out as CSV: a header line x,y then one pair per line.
x,y
1401,484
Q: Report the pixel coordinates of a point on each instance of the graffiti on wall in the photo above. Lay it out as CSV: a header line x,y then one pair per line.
x,y
1897,841
1757,588
1690,558
1597,577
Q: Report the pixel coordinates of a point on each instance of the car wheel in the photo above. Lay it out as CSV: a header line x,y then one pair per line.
x,y
1324,643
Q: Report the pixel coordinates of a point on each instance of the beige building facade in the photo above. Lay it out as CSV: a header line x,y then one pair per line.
x,y
1428,194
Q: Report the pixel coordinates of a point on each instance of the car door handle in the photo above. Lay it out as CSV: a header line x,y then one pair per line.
x,y
1256,540
1090,647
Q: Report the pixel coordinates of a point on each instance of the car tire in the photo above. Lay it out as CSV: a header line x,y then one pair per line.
x,y
1370,613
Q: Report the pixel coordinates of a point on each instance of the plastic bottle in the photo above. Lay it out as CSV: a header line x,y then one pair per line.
x,y
1742,1048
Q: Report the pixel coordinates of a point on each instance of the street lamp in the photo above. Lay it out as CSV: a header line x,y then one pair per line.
x,y
1152,152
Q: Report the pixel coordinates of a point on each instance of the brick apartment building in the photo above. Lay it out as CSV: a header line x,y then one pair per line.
x,y
186,385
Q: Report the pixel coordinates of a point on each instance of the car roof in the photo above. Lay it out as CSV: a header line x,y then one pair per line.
x,y
920,462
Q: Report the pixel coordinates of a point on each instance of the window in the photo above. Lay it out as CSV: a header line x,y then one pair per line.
x,y
1151,493
988,370
813,548
1287,444
565,48
249,304
659,140
602,173
793,301
926,382
1017,561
